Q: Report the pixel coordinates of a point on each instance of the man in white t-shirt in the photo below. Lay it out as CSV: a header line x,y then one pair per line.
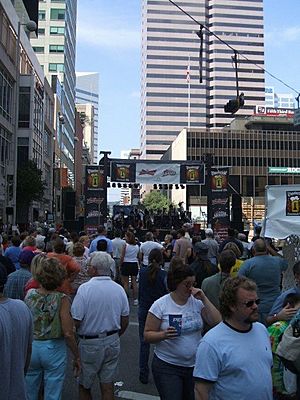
x,y
101,313
118,245
147,246
234,359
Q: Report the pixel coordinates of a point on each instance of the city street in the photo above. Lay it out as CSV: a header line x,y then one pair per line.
x,y
128,385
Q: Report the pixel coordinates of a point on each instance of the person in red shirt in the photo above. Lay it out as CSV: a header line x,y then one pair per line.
x,y
68,262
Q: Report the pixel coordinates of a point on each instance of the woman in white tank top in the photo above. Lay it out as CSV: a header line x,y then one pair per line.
x,y
129,265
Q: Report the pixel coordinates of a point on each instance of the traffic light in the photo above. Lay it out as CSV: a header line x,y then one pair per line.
x,y
235,104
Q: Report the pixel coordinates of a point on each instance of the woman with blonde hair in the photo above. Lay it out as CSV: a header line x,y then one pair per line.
x,y
53,330
238,263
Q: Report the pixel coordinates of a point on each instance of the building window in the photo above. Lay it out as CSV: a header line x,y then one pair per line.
x,y
41,31
56,67
6,85
57,14
24,107
57,30
56,48
38,49
42,15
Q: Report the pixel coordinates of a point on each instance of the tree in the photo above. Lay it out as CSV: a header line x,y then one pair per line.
x,y
155,200
30,187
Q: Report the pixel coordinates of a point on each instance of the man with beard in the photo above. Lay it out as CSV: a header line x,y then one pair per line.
x,y
234,359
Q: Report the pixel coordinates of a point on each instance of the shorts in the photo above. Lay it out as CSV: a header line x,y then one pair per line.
x,y
99,358
129,269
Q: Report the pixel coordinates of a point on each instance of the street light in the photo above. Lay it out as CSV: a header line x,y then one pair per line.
x,y
31,27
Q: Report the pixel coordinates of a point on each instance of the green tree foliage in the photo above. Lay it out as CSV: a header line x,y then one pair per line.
x,y
30,185
155,200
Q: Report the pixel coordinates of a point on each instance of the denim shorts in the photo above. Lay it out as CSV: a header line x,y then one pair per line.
x,y
99,358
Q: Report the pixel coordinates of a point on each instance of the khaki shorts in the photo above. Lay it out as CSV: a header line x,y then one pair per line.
x,y
99,357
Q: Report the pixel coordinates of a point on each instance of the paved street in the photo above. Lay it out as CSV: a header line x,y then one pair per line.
x,y
128,385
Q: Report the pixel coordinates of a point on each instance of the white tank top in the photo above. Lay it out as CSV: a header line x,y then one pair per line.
x,y
131,253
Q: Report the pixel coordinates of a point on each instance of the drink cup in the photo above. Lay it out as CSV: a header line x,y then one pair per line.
x,y
175,320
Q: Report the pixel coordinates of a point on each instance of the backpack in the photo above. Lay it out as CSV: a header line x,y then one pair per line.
x,y
289,347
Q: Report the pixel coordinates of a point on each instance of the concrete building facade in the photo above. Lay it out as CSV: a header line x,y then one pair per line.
x,y
87,92
55,49
172,96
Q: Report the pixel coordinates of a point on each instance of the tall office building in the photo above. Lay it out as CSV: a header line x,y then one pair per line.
x,y
55,49
279,100
87,92
172,95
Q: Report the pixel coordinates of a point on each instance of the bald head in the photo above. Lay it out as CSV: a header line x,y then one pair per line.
x,y
259,246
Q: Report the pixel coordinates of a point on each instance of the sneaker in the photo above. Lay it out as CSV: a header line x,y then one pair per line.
x,y
135,302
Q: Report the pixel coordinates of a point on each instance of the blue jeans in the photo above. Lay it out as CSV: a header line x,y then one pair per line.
x,y
144,347
173,382
48,358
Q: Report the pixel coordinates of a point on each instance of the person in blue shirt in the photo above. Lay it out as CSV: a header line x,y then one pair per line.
x,y
13,252
266,271
102,232
279,312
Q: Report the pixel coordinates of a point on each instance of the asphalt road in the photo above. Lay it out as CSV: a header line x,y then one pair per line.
x,y
127,385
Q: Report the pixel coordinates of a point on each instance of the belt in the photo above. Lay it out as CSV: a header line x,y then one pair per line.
x,y
100,335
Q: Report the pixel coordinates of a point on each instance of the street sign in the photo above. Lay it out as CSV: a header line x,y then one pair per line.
x,y
283,170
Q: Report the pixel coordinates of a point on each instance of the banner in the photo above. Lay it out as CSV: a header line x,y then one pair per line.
x,y
220,201
160,172
95,197
122,172
282,217
157,173
192,174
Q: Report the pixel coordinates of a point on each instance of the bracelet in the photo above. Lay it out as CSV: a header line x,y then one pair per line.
x,y
275,316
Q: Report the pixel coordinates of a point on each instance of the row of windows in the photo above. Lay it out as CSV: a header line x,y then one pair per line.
x,y
174,114
5,146
56,67
6,95
223,143
163,3
233,25
169,12
237,16
239,8
56,48
55,14
54,30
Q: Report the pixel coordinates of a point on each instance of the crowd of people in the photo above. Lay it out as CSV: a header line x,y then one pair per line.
x,y
215,312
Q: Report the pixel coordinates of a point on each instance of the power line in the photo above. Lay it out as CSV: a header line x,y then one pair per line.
x,y
232,48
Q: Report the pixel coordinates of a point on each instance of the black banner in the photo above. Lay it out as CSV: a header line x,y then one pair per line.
x,y
220,201
123,172
95,197
293,203
192,174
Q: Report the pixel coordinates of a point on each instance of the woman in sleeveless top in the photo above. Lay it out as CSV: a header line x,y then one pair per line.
x,y
129,265
53,329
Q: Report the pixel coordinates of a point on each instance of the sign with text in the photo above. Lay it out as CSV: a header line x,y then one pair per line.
x,y
95,197
293,203
220,201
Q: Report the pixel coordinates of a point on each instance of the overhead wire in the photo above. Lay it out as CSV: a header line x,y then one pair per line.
x,y
233,49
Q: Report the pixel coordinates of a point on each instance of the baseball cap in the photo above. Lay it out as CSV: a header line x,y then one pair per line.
x,y
26,257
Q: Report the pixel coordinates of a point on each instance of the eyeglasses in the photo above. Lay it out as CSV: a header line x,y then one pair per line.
x,y
251,303
189,285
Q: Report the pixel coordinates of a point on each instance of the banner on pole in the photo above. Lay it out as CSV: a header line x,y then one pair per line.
x,y
95,197
220,201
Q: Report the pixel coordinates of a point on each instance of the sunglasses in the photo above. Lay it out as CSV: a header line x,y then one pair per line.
x,y
251,303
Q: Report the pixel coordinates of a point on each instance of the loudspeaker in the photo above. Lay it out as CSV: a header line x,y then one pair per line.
x,y
236,212
69,202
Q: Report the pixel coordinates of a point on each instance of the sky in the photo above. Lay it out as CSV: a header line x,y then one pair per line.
x,y
108,42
